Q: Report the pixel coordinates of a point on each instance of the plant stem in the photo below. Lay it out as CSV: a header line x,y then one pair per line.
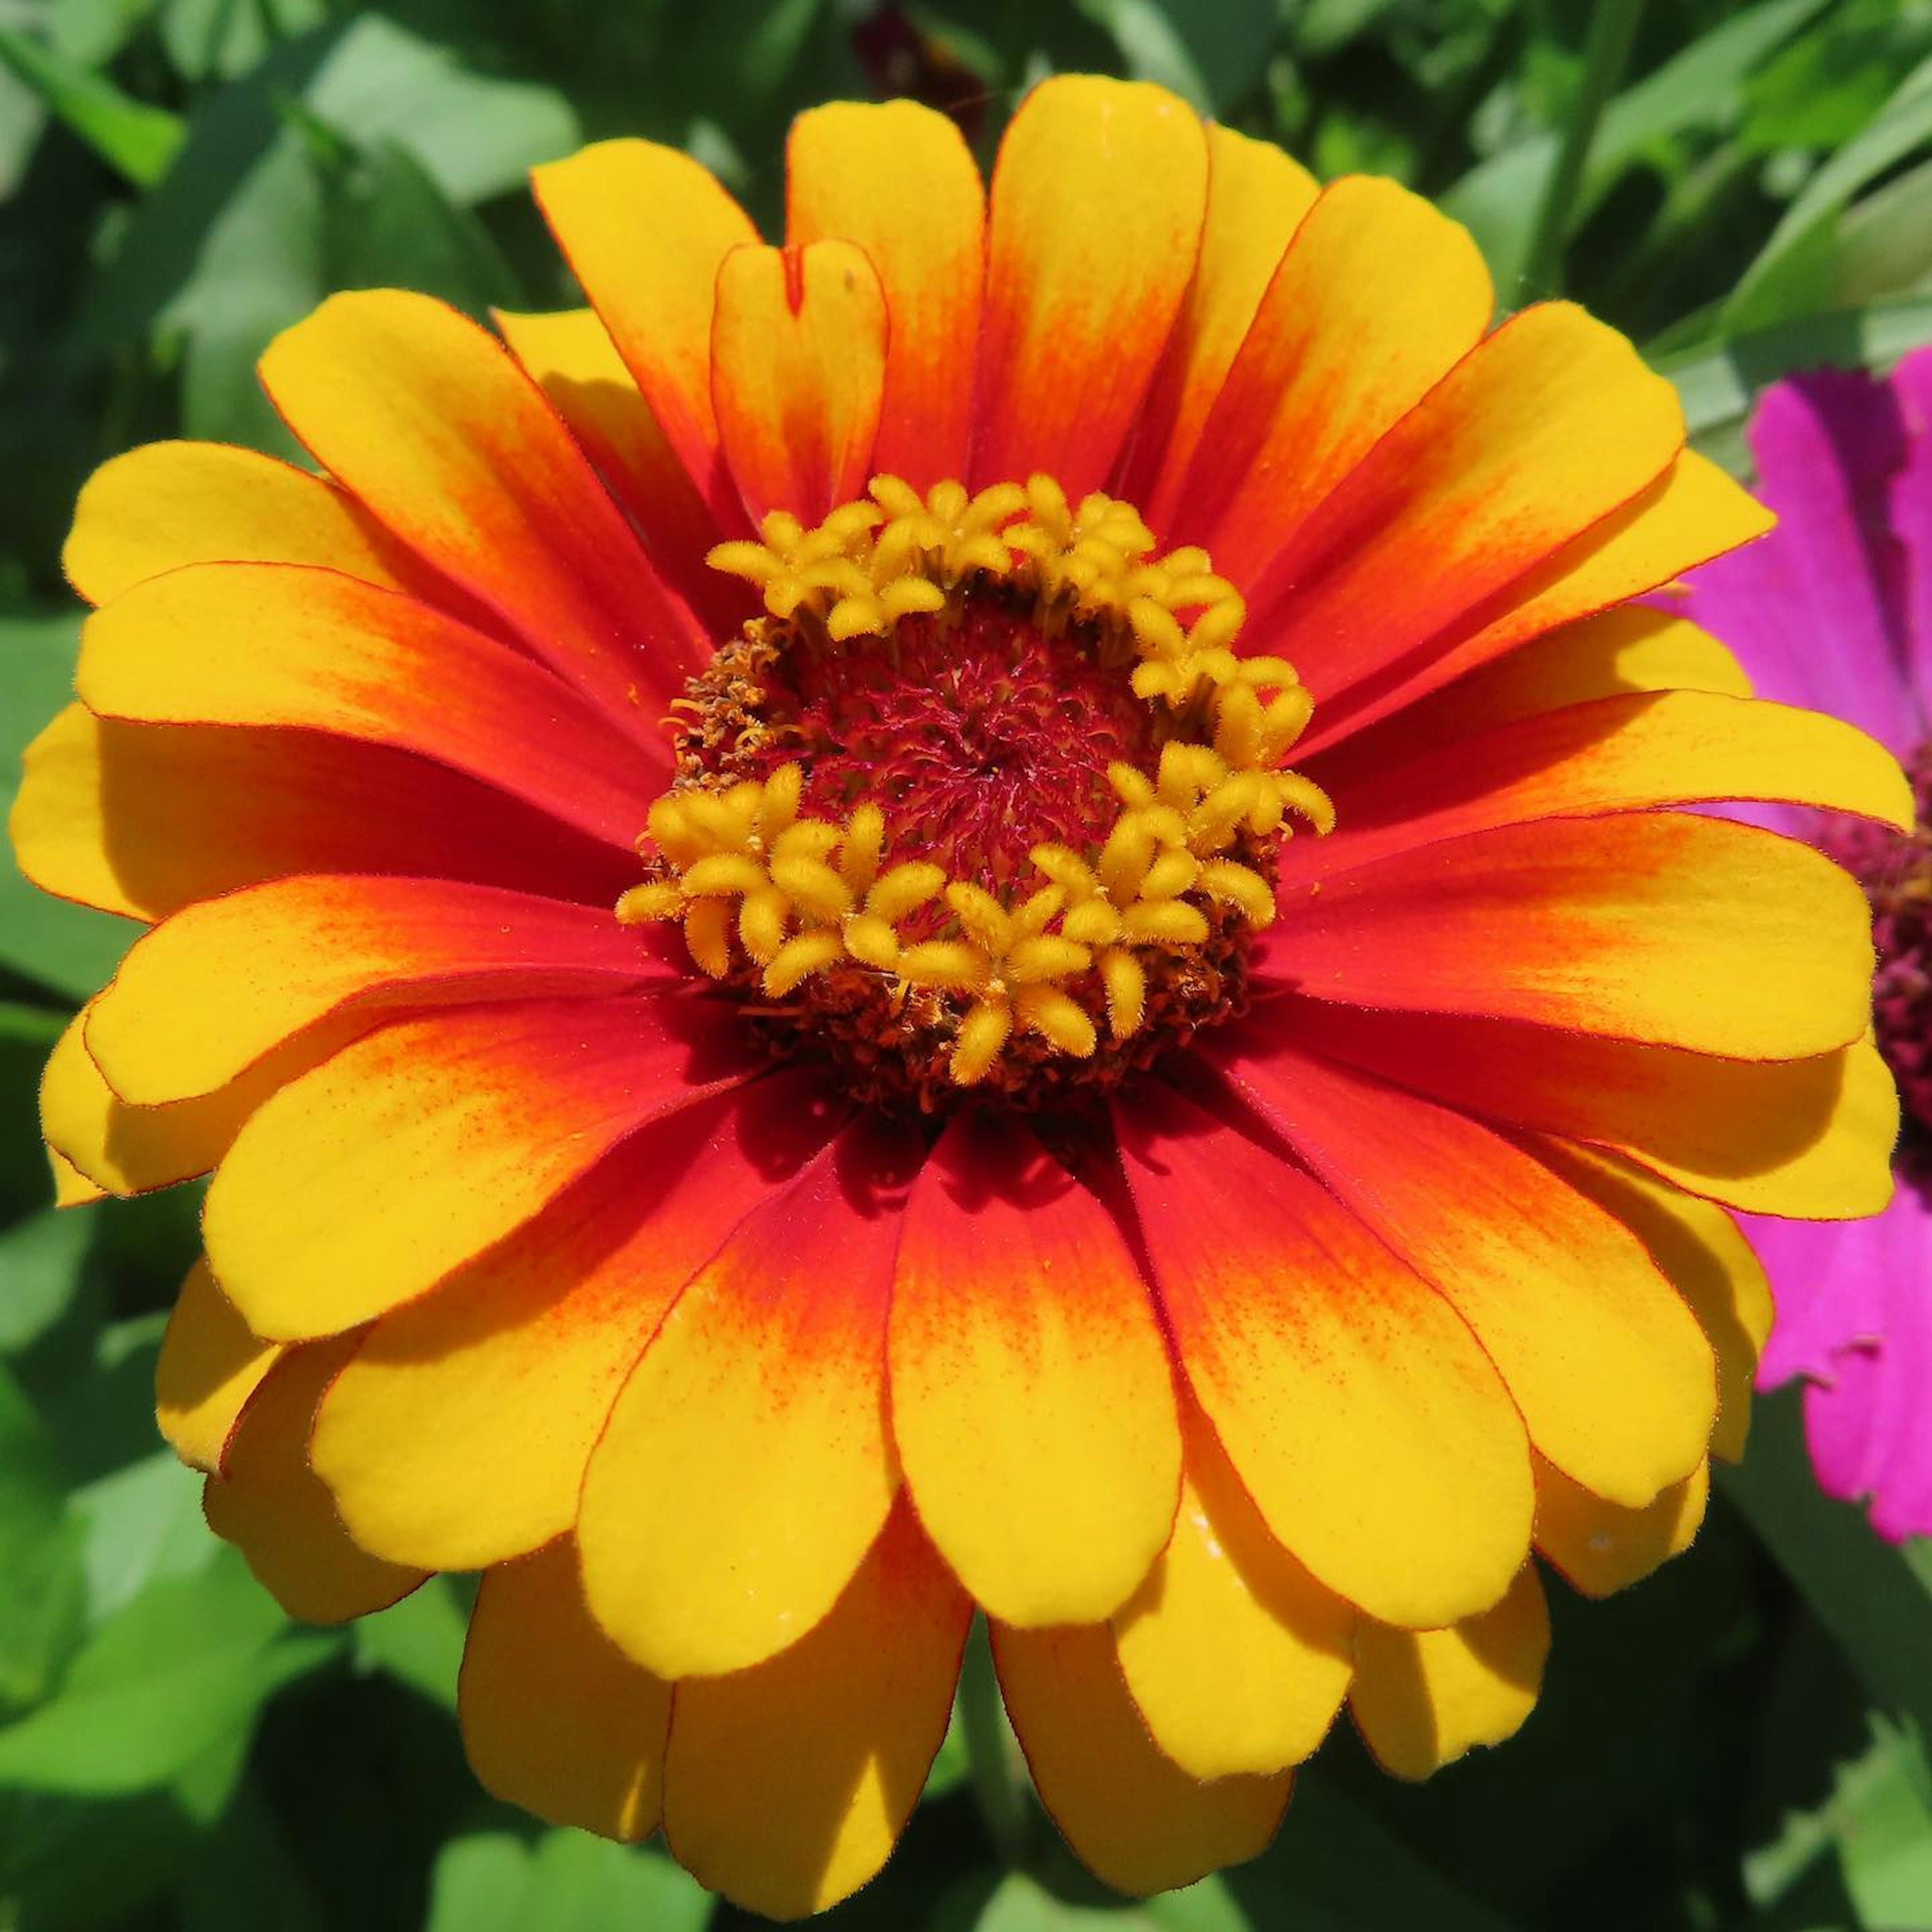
x,y
1612,29
991,1752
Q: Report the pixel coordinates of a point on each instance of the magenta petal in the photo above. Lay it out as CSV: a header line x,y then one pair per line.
x,y
1854,1318
1911,511
1816,611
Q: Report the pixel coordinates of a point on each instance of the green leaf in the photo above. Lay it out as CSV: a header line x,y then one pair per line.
x,y
1821,89
1334,1867
952,1766
138,141
206,38
1877,1823
1019,1904
419,1641
1793,272
41,1257
476,135
390,224
41,1585
93,32
568,1882
1719,386
1867,1593
27,1033
69,949
1701,87
1212,52
184,1667
141,1521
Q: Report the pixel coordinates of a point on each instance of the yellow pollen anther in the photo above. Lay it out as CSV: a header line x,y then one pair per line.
x,y
801,895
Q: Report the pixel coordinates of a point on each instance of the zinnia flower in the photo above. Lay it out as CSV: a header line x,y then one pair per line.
x,y
746,918
1835,610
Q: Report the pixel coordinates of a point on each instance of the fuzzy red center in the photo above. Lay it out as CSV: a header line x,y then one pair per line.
x,y
976,730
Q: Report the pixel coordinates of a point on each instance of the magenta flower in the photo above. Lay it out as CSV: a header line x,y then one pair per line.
x,y
1833,611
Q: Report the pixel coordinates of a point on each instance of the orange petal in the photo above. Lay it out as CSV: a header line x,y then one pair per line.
x,y
1133,1817
1376,299
798,365
144,820
899,181
72,1189
1658,926
1614,754
571,356
366,1181
1600,1548
1237,1659
202,997
166,504
1633,648
125,1150
458,1434
1708,1261
1811,1138
1256,199
1378,1441
554,1719
1613,1378
209,1366
1550,424
1032,1402
787,1785
427,419
745,1468
646,228
1422,1698
280,644
269,1503
1690,513
1098,198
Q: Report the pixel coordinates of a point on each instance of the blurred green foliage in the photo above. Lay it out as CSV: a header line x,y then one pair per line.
x,y
1742,1743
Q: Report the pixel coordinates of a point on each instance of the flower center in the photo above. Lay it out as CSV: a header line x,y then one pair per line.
x,y
986,799
1895,869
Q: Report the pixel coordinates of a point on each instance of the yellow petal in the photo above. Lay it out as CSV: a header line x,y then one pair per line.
x,y
1095,220
426,418
1377,1439
1600,1547
211,991
798,363
1032,1402
1708,1261
1811,1138
1690,513
366,1181
646,228
459,1434
209,1366
1236,1658
1257,197
167,504
125,1150
787,1785
1421,1699
898,179
270,1503
1133,1817
554,1718
745,1468
1378,299
1613,1378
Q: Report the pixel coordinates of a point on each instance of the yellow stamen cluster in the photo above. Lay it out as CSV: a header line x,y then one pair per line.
x,y
807,895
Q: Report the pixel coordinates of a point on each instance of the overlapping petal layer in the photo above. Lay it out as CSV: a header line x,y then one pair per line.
x,y
1242,1388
